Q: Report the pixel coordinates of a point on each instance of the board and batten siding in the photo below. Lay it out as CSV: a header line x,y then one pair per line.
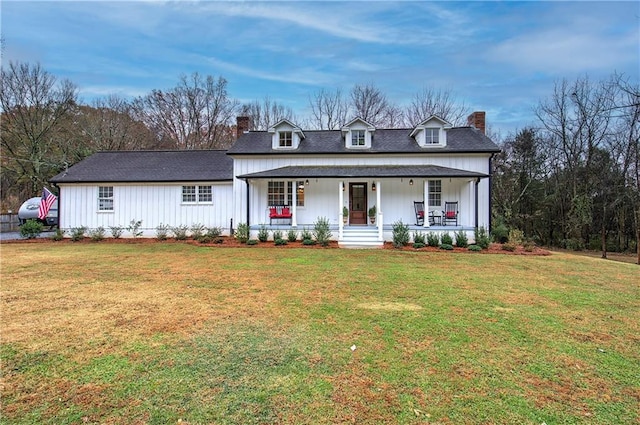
x,y
153,204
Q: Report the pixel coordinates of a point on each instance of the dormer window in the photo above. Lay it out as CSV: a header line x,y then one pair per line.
x,y
431,133
431,136
358,137
285,139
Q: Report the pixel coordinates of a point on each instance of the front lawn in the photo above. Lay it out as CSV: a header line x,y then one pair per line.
x,y
166,332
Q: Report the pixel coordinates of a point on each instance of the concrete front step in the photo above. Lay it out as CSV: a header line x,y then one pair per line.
x,y
360,237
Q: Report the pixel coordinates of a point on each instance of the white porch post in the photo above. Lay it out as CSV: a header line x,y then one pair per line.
x,y
341,204
294,204
425,221
379,209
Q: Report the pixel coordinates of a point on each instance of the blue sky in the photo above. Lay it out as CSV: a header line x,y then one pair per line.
x,y
500,57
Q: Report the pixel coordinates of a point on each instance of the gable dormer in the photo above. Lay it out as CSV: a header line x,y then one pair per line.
x,y
431,133
357,134
285,135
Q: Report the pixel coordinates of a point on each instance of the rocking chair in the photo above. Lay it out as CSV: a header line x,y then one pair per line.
x,y
450,213
419,208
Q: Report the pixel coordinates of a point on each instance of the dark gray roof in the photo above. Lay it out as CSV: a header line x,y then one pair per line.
x,y
384,141
150,166
361,172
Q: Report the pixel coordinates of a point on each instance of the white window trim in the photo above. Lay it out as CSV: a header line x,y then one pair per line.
x,y
99,198
197,193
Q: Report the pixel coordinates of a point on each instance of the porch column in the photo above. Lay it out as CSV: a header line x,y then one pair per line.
x,y
425,221
294,204
340,205
379,209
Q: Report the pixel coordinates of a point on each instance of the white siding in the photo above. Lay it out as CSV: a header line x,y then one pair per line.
x,y
153,204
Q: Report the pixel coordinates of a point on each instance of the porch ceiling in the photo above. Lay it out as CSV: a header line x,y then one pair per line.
x,y
327,172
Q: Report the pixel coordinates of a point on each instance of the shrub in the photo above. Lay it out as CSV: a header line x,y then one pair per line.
x,y
58,235
321,231
277,234
418,237
197,231
306,235
446,239
446,246
242,232
482,237
263,233
77,233
162,231
292,235
574,244
308,242
433,239
214,232
31,229
116,231
400,234
180,232
134,228
204,239
509,246
97,235
418,245
475,248
529,246
461,239
280,241
516,236
252,242
500,233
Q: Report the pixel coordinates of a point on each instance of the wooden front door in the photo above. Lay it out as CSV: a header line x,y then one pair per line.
x,y
357,203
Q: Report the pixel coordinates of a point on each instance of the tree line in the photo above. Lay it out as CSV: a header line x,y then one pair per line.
x,y
573,180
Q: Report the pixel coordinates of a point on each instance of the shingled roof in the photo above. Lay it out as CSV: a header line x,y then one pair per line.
x,y
150,166
384,141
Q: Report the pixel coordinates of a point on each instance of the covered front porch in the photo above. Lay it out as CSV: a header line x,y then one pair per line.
x,y
364,200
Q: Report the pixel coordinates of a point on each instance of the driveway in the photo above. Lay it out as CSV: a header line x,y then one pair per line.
x,y
11,236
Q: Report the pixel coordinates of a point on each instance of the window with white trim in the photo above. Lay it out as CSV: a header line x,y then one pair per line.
x,y
278,192
432,136
357,137
435,193
285,139
275,193
197,194
105,198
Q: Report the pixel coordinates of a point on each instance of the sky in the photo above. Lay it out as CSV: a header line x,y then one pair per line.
x,y
498,57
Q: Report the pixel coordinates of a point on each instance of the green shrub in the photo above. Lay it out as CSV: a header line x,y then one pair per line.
x,y
77,233
529,245
280,241
31,229
162,232
308,242
292,235
475,248
509,246
321,231
482,237
97,234
306,234
446,239
214,232
197,231
433,239
516,236
277,234
180,232
116,231
400,234
446,246
242,232
500,233
461,239
263,233
252,242
204,239
418,237
418,245
134,228
58,235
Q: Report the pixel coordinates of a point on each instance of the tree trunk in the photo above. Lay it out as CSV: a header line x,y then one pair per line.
x,y
603,234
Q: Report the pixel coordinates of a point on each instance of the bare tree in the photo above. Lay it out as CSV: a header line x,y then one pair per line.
x,y
266,113
329,109
196,114
370,104
34,106
442,103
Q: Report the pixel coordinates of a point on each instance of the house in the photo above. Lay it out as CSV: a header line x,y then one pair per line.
x,y
434,177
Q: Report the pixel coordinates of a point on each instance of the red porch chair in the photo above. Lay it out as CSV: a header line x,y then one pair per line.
x,y
450,213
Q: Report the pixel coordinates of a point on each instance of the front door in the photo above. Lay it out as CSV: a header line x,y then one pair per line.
x,y
357,203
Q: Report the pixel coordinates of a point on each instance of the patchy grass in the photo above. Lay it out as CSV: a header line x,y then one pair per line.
x,y
158,333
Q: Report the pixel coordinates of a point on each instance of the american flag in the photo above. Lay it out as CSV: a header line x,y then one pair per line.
x,y
46,202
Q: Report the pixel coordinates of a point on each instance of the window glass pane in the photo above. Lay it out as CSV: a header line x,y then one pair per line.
x,y
300,194
105,198
275,193
204,194
357,137
432,136
435,193
285,138
188,194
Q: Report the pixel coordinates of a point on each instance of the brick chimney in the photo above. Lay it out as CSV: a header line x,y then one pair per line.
x,y
242,125
476,120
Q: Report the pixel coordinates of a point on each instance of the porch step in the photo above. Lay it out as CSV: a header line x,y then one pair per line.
x,y
360,238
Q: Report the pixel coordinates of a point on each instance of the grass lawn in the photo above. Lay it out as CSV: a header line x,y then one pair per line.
x,y
170,332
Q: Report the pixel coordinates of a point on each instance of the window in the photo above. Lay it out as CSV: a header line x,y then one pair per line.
x,y
286,138
435,193
197,194
432,136
105,198
277,194
357,137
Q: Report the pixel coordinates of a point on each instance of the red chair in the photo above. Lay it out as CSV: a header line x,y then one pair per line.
x,y
450,213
